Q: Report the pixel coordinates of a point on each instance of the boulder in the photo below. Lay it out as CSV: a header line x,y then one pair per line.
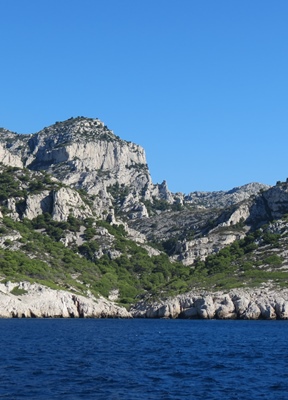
x,y
224,307
205,307
252,312
37,204
281,308
267,310
169,310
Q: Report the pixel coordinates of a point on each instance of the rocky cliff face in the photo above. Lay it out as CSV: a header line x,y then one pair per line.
x,y
236,304
26,300
84,153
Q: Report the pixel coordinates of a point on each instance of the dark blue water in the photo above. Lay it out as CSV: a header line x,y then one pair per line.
x,y
143,359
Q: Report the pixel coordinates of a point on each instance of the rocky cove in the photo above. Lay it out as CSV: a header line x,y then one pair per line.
x,y
26,300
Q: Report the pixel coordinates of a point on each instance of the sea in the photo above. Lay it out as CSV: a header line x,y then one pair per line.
x,y
143,359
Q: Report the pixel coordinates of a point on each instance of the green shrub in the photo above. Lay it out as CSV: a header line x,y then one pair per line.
x,y
18,291
273,260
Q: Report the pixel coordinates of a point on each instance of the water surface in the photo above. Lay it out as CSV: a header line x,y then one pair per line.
x,y
143,359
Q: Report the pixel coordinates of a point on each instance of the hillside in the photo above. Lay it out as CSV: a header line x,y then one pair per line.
x,y
79,212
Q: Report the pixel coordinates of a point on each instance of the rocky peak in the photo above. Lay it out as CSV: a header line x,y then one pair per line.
x,y
78,129
85,154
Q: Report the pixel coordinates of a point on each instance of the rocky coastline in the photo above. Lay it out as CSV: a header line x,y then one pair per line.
x,y
32,300
246,304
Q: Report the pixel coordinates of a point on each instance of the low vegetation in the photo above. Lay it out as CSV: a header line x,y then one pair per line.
x,y
42,257
94,256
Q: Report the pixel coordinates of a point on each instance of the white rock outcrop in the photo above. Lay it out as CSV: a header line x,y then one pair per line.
x,y
66,200
42,302
238,303
8,158
276,199
11,204
202,247
241,213
37,204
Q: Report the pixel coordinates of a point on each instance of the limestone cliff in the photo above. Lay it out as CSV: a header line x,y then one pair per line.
x,y
84,153
262,303
26,300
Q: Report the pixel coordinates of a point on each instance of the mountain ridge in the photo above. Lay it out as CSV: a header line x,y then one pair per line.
x,y
80,128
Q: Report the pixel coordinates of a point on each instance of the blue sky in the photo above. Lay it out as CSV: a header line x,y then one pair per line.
x,y
201,85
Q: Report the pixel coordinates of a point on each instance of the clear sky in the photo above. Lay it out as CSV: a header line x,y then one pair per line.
x,y
201,85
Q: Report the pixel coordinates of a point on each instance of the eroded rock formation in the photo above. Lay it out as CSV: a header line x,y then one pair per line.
x,y
241,304
26,300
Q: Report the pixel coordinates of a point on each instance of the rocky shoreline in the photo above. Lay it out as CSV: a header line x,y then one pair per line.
x,y
38,301
236,304
32,300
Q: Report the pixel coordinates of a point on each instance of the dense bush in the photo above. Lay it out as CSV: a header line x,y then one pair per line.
x,y
9,187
